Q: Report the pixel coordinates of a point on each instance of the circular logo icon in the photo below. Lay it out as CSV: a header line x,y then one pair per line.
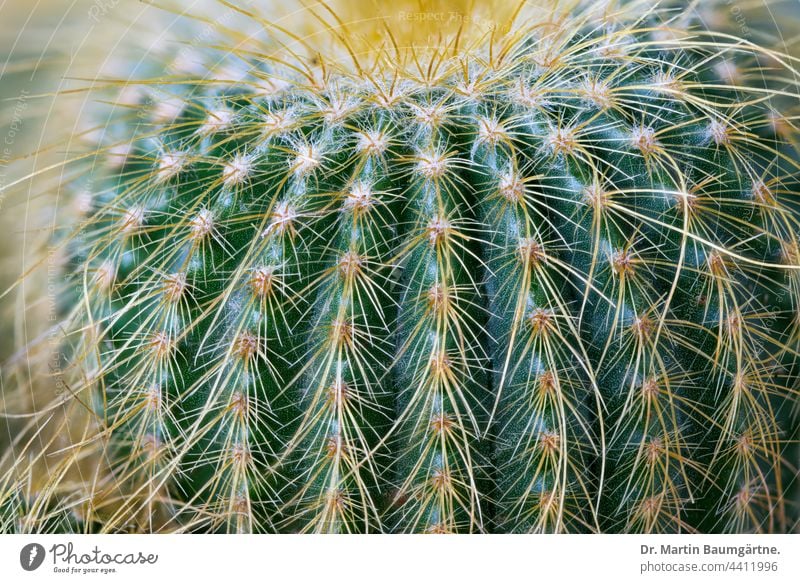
x,y
31,556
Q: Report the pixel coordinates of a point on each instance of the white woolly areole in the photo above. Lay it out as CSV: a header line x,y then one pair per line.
x,y
727,70
527,96
644,138
336,111
105,275
307,159
373,142
597,92
561,140
170,164
216,121
388,99
666,82
202,224
282,218
614,47
595,196
438,229
762,193
359,197
432,164
174,286
431,116
278,122
719,132
511,186
237,170
132,219
491,131
469,89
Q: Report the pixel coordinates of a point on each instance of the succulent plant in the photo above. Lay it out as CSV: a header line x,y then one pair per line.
x,y
546,281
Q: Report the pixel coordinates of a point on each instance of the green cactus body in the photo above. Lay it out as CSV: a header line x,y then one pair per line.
x,y
550,287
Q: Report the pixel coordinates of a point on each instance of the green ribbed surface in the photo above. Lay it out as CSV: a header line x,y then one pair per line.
x,y
515,299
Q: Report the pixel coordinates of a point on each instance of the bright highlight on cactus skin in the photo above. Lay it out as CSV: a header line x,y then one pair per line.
x,y
546,280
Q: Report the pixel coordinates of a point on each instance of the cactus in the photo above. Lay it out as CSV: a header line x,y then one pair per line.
x,y
546,281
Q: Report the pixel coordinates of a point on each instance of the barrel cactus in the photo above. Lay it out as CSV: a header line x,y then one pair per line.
x,y
543,281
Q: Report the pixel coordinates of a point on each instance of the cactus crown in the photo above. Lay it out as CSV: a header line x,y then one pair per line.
x,y
538,280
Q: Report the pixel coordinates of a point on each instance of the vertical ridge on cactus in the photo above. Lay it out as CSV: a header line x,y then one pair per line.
x,y
548,283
